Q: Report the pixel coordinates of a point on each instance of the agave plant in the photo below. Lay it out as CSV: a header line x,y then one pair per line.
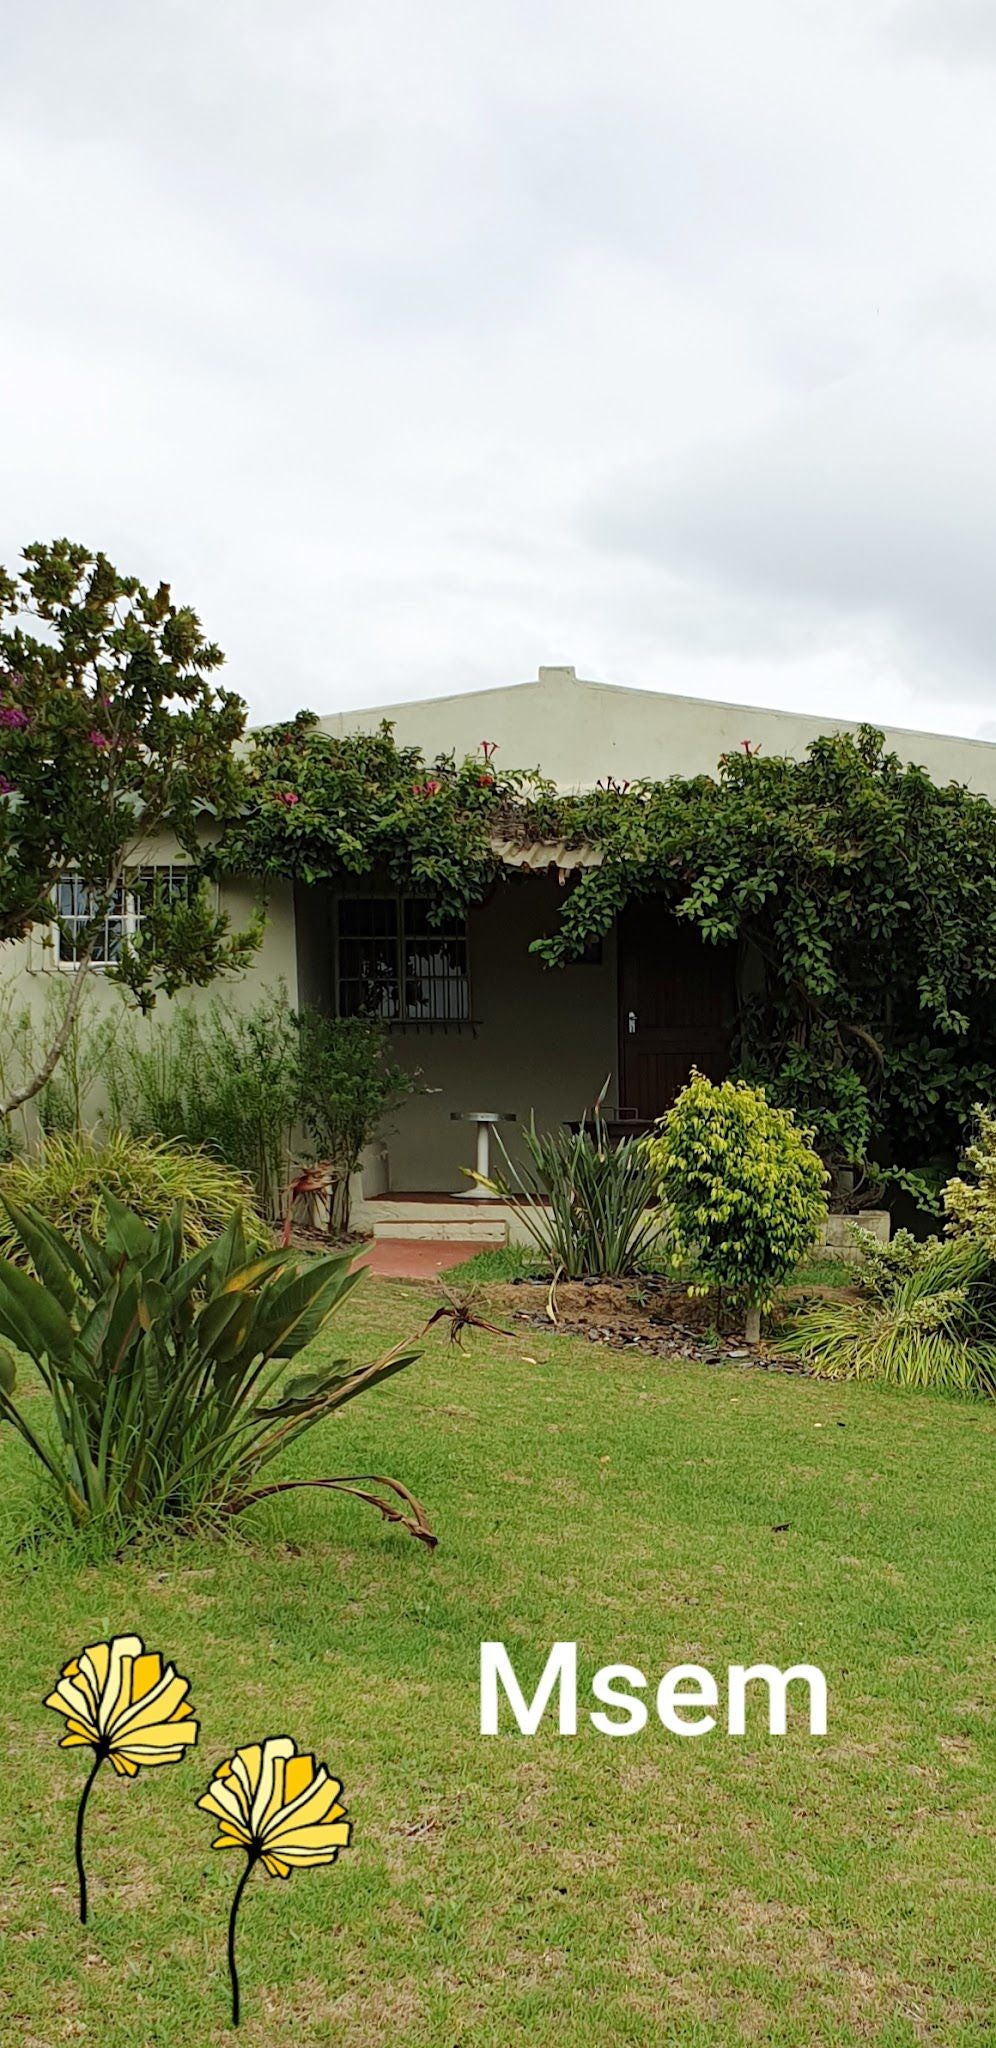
x,y
166,1369
590,1205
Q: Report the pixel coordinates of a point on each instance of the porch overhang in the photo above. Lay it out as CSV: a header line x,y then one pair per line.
x,y
538,856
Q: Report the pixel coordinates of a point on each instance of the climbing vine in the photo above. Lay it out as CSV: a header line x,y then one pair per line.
x,y
861,896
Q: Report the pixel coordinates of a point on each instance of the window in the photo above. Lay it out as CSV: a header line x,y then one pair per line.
x,y
394,964
76,905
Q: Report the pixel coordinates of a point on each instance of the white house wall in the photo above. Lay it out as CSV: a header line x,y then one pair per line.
x,y
578,731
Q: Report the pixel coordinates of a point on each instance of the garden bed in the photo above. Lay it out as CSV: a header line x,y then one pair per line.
x,y
644,1313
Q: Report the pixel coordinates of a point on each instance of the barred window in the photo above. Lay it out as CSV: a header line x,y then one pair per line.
x,y
393,964
77,906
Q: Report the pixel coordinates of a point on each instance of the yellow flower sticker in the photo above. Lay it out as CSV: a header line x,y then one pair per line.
x,y
280,1807
121,1701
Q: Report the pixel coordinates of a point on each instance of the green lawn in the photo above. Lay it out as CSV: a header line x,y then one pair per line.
x,y
791,1892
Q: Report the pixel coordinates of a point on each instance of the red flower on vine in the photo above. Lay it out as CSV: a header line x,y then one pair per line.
x,y
488,747
486,781
289,797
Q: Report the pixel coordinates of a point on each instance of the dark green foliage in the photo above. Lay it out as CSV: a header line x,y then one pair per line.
x,y
110,733
240,1082
321,807
165,1369
347,1083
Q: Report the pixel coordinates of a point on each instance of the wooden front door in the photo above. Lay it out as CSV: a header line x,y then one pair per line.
x,y
677,1007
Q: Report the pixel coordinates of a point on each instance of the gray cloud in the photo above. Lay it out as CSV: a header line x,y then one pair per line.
x,y
962,31
876,497
422,345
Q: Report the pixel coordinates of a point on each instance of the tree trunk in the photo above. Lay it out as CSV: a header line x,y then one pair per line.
x,y
752,1324
57,1048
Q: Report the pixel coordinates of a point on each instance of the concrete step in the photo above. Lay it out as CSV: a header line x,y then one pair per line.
x,y
447,1220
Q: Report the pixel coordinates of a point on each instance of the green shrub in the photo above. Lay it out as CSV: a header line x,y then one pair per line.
x,y
970,1202
68,1180
164,1369
883,1268
589,1205
347,1082
744,1190
224,1079
929,1320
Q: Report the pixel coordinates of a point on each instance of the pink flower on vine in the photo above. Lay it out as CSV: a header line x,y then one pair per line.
x,y
433,788
14,718
98,738
289,797
6,788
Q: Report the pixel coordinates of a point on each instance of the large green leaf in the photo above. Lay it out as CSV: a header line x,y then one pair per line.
x,y
125,1235
291,1314
55,1259
31,1316
8,1368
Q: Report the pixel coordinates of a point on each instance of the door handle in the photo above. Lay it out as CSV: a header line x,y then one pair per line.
x,y
631,1022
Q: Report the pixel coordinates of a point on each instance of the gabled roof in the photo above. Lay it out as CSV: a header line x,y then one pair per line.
x,y
578,732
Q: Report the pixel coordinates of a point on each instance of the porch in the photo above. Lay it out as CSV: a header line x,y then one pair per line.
x,y
486,1026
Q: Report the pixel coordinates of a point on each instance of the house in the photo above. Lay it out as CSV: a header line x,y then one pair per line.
x,y
491,1028
486,1024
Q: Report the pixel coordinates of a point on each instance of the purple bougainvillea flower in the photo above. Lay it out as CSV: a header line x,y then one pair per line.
x,y
98,739
11,715
6,788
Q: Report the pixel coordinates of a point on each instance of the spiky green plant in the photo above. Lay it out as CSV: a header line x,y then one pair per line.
x,y
589,1205
165,1370
934,1327
68,1178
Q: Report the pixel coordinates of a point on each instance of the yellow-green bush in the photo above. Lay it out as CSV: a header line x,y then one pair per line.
x,y
970,1203
744,1190
67,1178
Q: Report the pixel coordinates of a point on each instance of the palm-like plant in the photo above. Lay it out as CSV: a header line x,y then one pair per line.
x,y
165,1369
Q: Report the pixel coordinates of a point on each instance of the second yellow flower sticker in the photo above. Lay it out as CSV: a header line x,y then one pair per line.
x,y
282,1809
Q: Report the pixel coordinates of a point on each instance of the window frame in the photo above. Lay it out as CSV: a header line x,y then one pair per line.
x,y
401,938
128,919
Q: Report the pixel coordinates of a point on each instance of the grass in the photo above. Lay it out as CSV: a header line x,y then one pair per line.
x,y
797,1893
504,1262
508,1262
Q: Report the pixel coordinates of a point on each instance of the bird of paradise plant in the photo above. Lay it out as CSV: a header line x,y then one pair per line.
x,y
121,1701
166,1370
280,1807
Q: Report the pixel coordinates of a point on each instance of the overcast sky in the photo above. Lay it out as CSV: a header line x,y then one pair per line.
x,y
420,344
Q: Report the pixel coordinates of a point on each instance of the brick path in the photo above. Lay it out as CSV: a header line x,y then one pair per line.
x,y
416,1258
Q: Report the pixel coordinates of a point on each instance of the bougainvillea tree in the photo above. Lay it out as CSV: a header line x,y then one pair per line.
x,y
111,734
